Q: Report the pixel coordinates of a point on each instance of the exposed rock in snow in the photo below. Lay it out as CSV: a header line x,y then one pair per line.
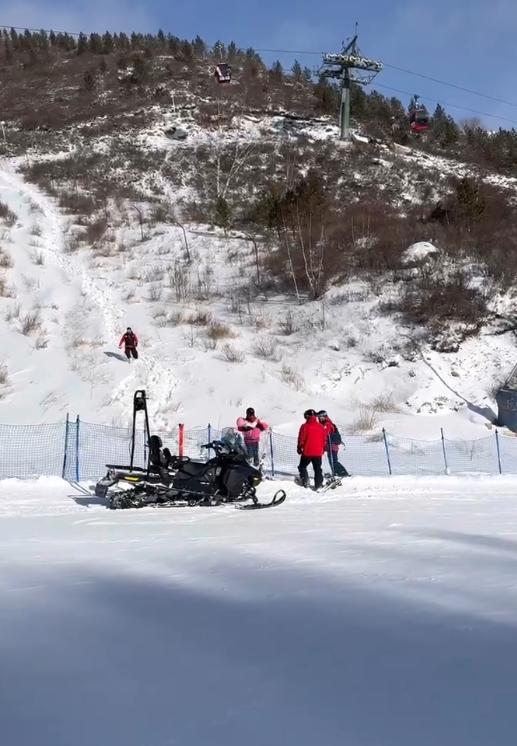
x,y
419,252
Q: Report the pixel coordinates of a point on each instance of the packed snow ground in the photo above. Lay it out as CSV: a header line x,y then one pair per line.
x,y
383,614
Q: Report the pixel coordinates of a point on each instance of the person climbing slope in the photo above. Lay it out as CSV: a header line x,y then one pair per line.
x,y
130,342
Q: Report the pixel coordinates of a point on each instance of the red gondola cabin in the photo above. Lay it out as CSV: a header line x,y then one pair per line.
x,y
223,73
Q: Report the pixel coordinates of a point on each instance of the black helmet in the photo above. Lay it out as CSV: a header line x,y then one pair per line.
x,y
309,413
250,411
321,413
129,329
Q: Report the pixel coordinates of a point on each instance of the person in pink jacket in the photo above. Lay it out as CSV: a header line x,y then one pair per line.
x,y
252,428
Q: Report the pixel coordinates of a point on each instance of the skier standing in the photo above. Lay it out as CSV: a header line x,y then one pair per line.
x,y
332,444
130,342
251,428
312,439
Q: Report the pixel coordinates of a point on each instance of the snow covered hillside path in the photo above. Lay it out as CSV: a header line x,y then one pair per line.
x,y
81,312
380,615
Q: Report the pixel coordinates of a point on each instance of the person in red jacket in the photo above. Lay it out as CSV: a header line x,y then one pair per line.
x,y
130,342
312,439
332,445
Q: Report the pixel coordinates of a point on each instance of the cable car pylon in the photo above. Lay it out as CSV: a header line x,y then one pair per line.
x,y
349,66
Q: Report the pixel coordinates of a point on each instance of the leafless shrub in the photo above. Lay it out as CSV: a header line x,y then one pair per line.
x,y
13,313
364,422
154,293
262,321
216,330
5,260
200,318
267,348
30,322
36,230
292,377
7,215
288,324
232,354
384,403
77,203
179,282
38,258
4,290
437,298
96,230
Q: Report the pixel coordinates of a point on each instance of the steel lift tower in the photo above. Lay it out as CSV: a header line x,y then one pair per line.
x,y
349,66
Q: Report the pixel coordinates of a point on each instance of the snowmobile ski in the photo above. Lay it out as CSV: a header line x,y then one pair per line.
x,y
278,498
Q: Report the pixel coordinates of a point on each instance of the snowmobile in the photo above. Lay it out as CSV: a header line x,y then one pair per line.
x,y
175,481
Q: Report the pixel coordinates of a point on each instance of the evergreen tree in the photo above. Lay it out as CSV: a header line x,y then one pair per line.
x,y
95,44
107,43
82,43
276,74
232,51
296,70
199,47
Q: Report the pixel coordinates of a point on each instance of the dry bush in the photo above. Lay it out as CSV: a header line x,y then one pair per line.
x,y
76,203
30,322
13,313
216,330
435,299
4,290
7,215
36,230
364,422
267,349
292,377
179,282
96,230
231,354
200,318
5,260
288,324
384,403
38,258
154,293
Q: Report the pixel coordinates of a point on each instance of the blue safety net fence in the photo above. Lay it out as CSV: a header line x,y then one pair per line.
x,y
78,450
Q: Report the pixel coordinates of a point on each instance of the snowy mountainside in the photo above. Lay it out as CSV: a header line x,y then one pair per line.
x,y
212,342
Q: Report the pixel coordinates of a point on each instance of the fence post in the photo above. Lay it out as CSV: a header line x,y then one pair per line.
x,y
181,428
272,453
77,448
498,451
209,429
444,452
387,450
65,452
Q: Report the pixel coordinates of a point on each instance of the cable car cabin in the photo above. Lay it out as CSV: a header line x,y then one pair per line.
x,y
223,73
418,120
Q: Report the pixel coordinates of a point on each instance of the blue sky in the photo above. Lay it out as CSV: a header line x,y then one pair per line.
x,y
468,42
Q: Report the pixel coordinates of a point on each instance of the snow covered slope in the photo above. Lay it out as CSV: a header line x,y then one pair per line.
x,y
383,615
209,348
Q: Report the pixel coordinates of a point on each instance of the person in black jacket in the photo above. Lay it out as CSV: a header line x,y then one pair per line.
x,y
332,445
